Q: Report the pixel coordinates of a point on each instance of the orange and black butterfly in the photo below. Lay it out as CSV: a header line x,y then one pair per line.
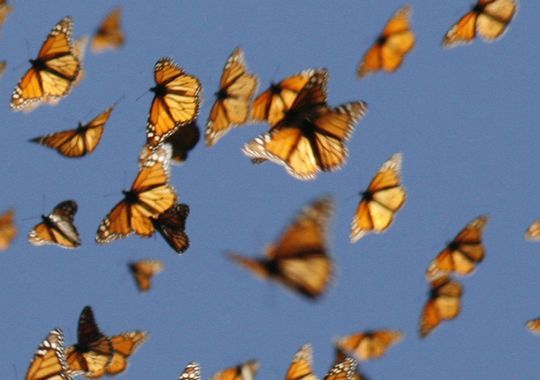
x,y
487,18
443,304
463,253
5,10
392,45
311,136
340,357
143,271
97,355
78,142
346,370
244,371
301,367
53,72
150,195
176,101
533,232
191,372
109,34
57,228
183,141
171,225
299,260
380,201
8,229
233,100
533,326
369,345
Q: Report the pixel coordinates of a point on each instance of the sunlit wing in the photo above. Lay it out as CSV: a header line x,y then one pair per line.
x,y
57,228
369,345
8,229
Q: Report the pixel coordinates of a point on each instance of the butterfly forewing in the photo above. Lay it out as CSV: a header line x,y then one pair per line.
x,y
346,370
191,372
171,225
109,34
301,365
49,361
369,344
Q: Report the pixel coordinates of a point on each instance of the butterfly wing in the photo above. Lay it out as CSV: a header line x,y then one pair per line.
x,y
183,141
191,372
370,344
143,271
340,357
49,361
5,10
533,232
109,34
301,365
57,228
244,371
493,21
462,32
171,225
533,326
8,229
346,370
124,345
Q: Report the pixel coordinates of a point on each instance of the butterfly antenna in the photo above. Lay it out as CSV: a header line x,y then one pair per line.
x,y
140,96
109,195
118,100
29,218
276,71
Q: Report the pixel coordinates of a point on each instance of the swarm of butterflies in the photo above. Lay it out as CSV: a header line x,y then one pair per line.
x,y
306,136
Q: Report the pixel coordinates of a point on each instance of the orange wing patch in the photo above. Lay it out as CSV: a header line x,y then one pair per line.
x,y
8,229
143,271
369,344
533,232
109,34
301,367
5,10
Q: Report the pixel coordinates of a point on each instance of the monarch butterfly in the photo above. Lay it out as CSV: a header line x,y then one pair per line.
x,y
533,326
311,136
150,195
191,372
340,356
8,230
53,72
183,141
487,18
233,100
369,345
143,271
392,45
443,304
57,227
5,10
109,34
299,260
77,142
96,354
301,365
3,65
346,370
176,101
171,224
380,202
462,254
243,371
533,232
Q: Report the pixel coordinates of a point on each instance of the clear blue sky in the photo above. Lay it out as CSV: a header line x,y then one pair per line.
x,y
466,120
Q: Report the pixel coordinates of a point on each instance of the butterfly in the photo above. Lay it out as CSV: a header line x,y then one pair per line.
x,y
346,370
369,345
487,18
150,195
301,367
340,357
49,361
533,326
77,142
243,371
191,372
96,354
8,230
299,260
3,65
236,89
143,271
380,202
533,232
176,101
53,72
311,136
463,253
57,227
171,224
443,304
182,141
5,10
109,34
392,45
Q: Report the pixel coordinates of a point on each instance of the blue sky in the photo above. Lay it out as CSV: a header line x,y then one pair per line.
x,y
466,120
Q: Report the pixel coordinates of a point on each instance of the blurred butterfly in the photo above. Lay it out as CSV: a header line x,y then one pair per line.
x,y
98,355
533,326
443,304
176,101
369,345
109,34
311,136
191,372
8,229
143,271
533,232
3,65
53,72
340,357
487,18
171,225
5,10
233,100
346,370
392,45
380,202
182,141
243,371
77,142
57,228
150,195
301,367
299,260
463,253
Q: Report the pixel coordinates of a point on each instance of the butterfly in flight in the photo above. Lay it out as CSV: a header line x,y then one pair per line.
x,y
97,355
346,370
301,367
533,231
369,345
3,65
380,201
443,304
176,101
299,260
463,253
340,357
392,45
52,73
143,271
183,141
5,10
191,372
487,18
57,228
8,229
244,371
78,142
109,34
171,225
533,326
